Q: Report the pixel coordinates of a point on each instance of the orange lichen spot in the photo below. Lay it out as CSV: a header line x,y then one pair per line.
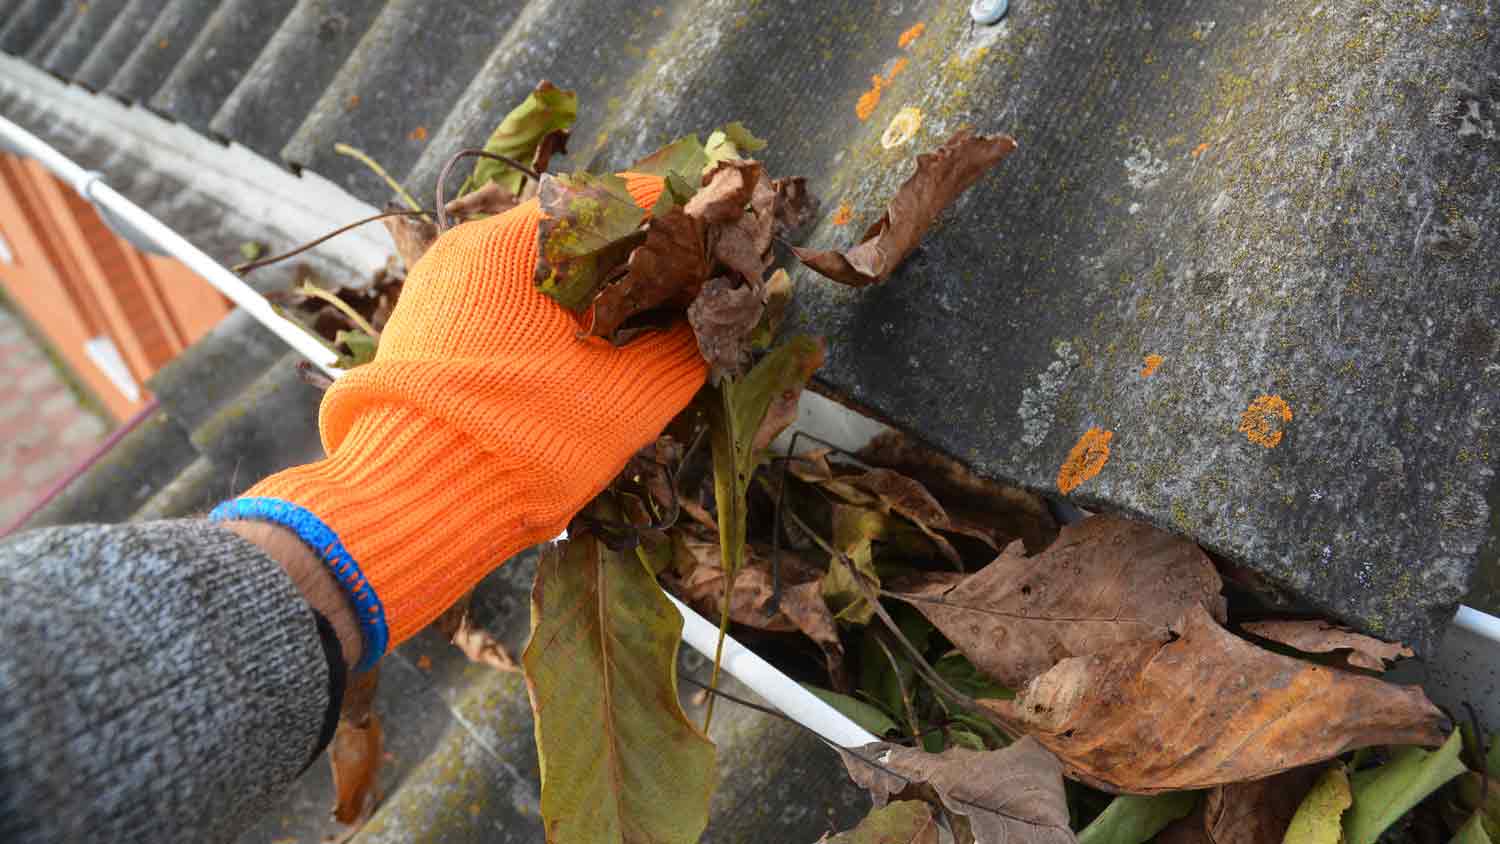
x,y
1152,362
842,216
865,106
352,103
1200,149
911,34
162,44
418,134
1085,460
899,65
1264,421
657,11
424,662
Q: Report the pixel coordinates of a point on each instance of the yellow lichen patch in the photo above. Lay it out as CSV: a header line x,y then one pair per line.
x,y
911,34
903,127
842,216
1085,460
1152,362
1264,421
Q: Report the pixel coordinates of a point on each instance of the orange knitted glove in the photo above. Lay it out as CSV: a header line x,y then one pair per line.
x,y
482,426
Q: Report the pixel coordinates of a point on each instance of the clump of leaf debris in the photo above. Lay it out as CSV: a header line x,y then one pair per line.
x,y
1027,681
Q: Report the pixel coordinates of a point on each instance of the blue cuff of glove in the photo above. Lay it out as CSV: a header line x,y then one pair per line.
x,y
325,543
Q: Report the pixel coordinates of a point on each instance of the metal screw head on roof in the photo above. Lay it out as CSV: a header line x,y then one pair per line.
x,y
988,11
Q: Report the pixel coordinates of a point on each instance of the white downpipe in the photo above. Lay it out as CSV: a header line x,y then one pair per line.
x,y
90,185
775,687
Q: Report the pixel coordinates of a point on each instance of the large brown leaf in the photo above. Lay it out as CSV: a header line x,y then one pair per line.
x,y
940,177
667,270
412,236
1010,795
1105,581
1208,709
356,751
726,191
1317,637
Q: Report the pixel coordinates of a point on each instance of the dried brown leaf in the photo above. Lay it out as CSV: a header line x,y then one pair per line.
x,y
726,191
735,247
723,317
1010,795
1316,637
1002,512
667,271
939,179
1106,581
1256,812
1236,712
356,751
794,206
412,236
493,198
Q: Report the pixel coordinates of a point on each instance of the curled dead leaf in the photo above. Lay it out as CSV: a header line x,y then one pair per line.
x,y
795,206
411,236
356,751
723,317
1236,712
1106,581
552,143
1010,795
666,271
1316,637
726,191
940,177
493,198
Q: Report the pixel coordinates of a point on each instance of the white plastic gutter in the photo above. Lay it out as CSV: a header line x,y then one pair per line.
x,y
776,688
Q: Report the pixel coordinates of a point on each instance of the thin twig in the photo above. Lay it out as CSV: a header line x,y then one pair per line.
x,y
911,712
918,661
365,159
442,207
307,288
253,265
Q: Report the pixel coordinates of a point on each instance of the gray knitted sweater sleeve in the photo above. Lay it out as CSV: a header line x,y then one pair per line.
x,y
158,682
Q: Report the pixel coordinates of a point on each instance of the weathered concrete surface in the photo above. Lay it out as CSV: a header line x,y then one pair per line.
x,y
1295,200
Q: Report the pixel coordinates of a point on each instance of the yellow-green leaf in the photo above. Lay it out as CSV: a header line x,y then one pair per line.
x,y
546,109
589,226
1319,820
902,822
866,715
732,141
1385,793
361,348
1472,832
1134,818
619,760
684,156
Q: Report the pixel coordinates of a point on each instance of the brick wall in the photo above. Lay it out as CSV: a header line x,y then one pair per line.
x,y
78,282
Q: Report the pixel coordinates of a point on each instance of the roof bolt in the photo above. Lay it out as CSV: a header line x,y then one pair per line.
x,y
988,11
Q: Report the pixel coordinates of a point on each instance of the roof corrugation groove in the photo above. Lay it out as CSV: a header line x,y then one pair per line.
x,y
54,33
166,42
28,23
397,87
115,47
217,60
81,37
267,107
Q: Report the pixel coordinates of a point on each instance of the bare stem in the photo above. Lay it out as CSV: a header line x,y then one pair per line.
x,y
241,269
362,157
442,207
309,289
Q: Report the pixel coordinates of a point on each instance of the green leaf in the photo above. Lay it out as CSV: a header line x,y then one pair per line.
x,y
1492,759
1385,793
962,675
1472,832
1134,818
684,156
902,822
964,738
1319,820
619,760
589,226
854,533
732,141
361,348
546,109
861,713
